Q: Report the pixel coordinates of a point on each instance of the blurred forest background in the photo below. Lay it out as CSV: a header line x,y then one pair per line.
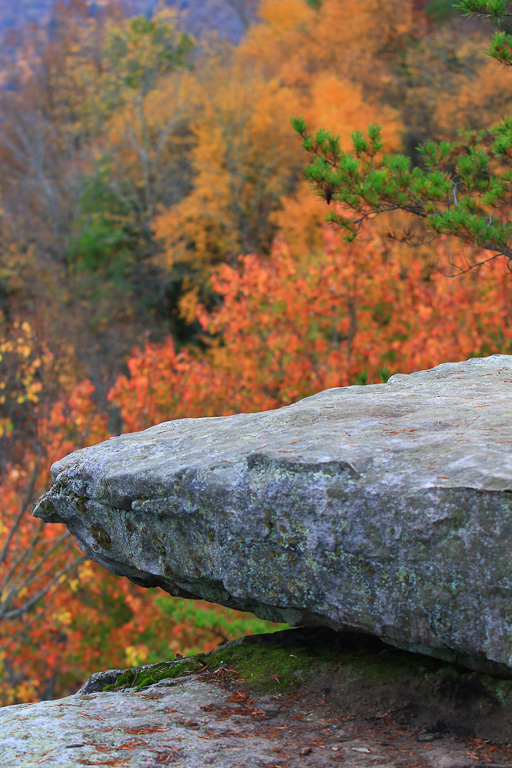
x,y
162,257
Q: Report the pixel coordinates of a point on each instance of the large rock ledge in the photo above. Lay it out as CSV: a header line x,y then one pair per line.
x,y
313,698
383,509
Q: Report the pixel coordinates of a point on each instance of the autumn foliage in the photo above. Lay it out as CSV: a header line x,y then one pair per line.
x,y
163,258
284,330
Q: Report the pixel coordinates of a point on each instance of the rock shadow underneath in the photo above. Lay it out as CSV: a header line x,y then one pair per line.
x,y
357,675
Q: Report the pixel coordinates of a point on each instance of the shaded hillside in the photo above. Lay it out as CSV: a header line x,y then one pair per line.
x,y
228,17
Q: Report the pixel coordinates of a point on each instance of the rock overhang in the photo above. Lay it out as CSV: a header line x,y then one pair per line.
x,y
385,509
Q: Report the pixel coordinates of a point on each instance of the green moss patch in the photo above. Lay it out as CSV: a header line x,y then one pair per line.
x,y
141,677
291,659
267,668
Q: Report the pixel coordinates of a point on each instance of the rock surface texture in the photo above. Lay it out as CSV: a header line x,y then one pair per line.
x,y
383,509
309,698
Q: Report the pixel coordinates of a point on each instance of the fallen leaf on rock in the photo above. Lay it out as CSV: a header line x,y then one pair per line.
x,y
144,729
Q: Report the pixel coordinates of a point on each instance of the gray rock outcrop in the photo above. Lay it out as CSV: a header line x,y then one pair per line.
x,y
307,697
383,509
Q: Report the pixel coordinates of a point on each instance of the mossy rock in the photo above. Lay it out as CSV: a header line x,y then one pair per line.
x,y
359,674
